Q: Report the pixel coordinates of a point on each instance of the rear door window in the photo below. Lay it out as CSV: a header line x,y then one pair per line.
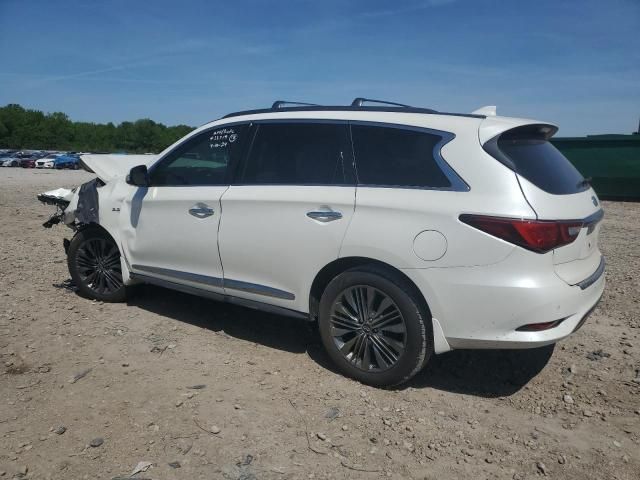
x,y
299,154
387,156
531,155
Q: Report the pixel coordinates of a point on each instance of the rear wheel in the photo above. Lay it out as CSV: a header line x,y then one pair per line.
x,y
374,326
94,264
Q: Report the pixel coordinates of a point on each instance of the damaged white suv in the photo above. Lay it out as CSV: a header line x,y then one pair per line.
x,y
402,231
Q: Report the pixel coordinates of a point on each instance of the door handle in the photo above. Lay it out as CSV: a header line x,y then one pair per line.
x,y
201,210
325,217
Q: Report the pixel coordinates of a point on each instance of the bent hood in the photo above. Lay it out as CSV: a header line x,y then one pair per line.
x,y
108,167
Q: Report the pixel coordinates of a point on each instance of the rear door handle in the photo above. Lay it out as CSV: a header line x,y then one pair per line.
x,y
325,217
201,210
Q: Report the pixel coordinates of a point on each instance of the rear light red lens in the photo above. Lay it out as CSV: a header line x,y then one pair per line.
x,y
536,235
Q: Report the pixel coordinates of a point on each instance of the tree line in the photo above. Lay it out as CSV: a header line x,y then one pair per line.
x,y
22,128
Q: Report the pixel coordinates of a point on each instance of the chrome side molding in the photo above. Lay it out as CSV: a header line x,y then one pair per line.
x,y
219,297
225,283
179,275
257,289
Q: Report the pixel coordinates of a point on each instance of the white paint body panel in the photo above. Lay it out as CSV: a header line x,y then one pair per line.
x,y
266,237
576,261
157,231
479,288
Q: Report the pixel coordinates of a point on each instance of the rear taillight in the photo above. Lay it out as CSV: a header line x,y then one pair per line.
x,y
536,235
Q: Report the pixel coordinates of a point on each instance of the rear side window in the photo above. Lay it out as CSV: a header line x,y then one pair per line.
x,y
527,151
387,156
299,154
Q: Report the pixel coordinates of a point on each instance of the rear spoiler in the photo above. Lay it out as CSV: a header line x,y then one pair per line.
x,y
491,127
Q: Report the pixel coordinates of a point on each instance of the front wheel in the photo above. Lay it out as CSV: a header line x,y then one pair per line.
x,y
375,327
94,264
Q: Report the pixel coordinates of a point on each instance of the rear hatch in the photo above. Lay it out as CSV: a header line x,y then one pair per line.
x,y
557,192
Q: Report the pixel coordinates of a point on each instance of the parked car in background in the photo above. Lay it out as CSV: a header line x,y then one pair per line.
x,y
7,158
14,160
48,161
29,162
67,161
403,232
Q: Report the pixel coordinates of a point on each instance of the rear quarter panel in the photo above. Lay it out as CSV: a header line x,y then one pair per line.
x,y
387,220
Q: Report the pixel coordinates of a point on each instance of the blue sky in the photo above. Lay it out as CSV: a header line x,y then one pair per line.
x,y
572,62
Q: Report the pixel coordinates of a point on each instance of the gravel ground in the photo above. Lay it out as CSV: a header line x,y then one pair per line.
x,y
205,390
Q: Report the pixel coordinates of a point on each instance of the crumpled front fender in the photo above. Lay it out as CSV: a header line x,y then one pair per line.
x,y
77,206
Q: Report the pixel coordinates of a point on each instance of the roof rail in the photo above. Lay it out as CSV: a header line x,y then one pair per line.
x,y
356,106
283,103
359,101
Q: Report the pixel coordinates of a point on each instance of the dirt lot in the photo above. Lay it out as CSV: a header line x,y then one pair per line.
x,y
206,390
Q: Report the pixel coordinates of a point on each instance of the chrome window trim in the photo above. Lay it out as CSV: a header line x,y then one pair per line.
x,y
457,183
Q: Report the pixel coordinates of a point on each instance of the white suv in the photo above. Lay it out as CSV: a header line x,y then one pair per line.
x,y
402,231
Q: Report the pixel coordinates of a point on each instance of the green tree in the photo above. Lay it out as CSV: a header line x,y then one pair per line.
x,y
22,128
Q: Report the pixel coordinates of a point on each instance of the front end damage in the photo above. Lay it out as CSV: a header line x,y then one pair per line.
x,y
79,206
74,207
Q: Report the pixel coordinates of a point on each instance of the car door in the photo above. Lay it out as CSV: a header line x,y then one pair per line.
x,y
172,226
286,215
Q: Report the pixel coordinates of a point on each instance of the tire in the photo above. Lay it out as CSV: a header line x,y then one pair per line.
x,y
93,259
409,338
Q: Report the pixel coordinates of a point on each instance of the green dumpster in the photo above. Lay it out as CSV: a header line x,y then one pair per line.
x,y
612,162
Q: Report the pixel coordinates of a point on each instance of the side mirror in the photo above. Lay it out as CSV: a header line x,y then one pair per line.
x,y
138,176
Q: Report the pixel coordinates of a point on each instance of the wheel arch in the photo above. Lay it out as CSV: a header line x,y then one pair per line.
x,y
340,265
96,226
126,268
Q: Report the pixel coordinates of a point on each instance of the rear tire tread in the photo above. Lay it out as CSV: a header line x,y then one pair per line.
x,y
417,306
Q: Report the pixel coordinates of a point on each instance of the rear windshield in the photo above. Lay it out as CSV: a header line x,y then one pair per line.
x,y
533,157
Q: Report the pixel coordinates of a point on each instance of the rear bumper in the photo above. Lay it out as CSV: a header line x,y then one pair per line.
x,y
481,307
